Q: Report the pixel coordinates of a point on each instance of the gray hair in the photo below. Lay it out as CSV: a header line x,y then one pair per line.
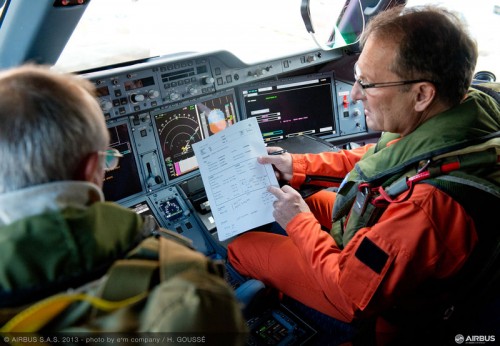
x,y
49,122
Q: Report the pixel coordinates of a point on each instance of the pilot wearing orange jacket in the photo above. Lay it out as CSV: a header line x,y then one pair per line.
x,y
310,267
423,236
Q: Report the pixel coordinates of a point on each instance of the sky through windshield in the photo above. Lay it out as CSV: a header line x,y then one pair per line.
x,y
114,31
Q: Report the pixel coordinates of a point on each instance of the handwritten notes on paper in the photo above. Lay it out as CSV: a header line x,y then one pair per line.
x,y
235,183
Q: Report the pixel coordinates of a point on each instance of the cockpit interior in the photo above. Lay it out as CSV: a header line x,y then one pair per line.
x,y
156,105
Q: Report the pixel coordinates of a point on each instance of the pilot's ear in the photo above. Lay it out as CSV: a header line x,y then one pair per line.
x,y
426,94
90,169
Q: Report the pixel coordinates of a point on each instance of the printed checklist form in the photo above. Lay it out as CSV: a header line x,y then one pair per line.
x,y
235,183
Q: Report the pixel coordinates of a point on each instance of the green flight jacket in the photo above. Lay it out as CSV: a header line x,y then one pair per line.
x,y
477,116
43,254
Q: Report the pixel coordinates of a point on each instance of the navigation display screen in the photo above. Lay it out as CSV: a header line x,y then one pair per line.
x,y
123,181
292,106
180,127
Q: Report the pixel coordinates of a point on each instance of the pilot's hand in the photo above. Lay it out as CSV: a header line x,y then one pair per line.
x,y
282,163
288,204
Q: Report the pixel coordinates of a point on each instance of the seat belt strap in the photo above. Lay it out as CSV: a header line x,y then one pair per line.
x,y
38,315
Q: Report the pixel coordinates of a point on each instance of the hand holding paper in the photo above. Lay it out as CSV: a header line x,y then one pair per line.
x,y
235,183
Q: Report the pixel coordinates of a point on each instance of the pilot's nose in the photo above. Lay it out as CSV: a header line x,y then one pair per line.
x,y
357,93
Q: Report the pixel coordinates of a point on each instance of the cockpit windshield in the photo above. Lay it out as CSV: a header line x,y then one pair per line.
x,y
111,32
114,31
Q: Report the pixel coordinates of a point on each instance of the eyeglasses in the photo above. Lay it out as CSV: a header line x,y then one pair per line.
x,y
111,158
382,84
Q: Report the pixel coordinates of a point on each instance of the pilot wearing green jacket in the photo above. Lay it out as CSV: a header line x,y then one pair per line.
x,y
54,149
56,231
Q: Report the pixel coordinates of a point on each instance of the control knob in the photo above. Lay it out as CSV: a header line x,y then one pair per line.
x,y
259,72
137,98
174,96
207,80
106,105
152,94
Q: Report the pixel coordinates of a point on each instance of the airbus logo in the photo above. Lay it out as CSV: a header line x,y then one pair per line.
x,y
474,339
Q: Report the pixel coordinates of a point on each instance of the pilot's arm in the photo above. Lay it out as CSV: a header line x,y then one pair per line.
x,y
295,168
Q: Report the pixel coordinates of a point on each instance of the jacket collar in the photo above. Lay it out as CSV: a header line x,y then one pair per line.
x,y
477,116
43,198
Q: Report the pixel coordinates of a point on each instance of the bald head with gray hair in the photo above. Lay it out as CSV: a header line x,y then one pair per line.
x,y
49,123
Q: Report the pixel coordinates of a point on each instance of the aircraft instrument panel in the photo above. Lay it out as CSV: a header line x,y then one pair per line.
x,y
156,110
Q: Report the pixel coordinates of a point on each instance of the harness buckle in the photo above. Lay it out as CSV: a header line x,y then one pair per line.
x,y
424,166
363,197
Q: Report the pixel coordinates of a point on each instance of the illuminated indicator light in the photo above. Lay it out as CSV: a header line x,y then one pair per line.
x,y
271,97
272,133
177,168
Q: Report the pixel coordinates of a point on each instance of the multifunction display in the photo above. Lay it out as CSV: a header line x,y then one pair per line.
x,y
179,128
292,107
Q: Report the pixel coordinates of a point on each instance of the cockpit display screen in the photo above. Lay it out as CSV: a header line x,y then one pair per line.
x,y
102,91
124,180
293,106
191,122
138,83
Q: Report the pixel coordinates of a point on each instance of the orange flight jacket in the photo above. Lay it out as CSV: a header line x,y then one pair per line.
x,y
428,228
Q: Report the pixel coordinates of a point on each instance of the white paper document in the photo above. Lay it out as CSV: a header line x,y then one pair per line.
x,y
235,183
